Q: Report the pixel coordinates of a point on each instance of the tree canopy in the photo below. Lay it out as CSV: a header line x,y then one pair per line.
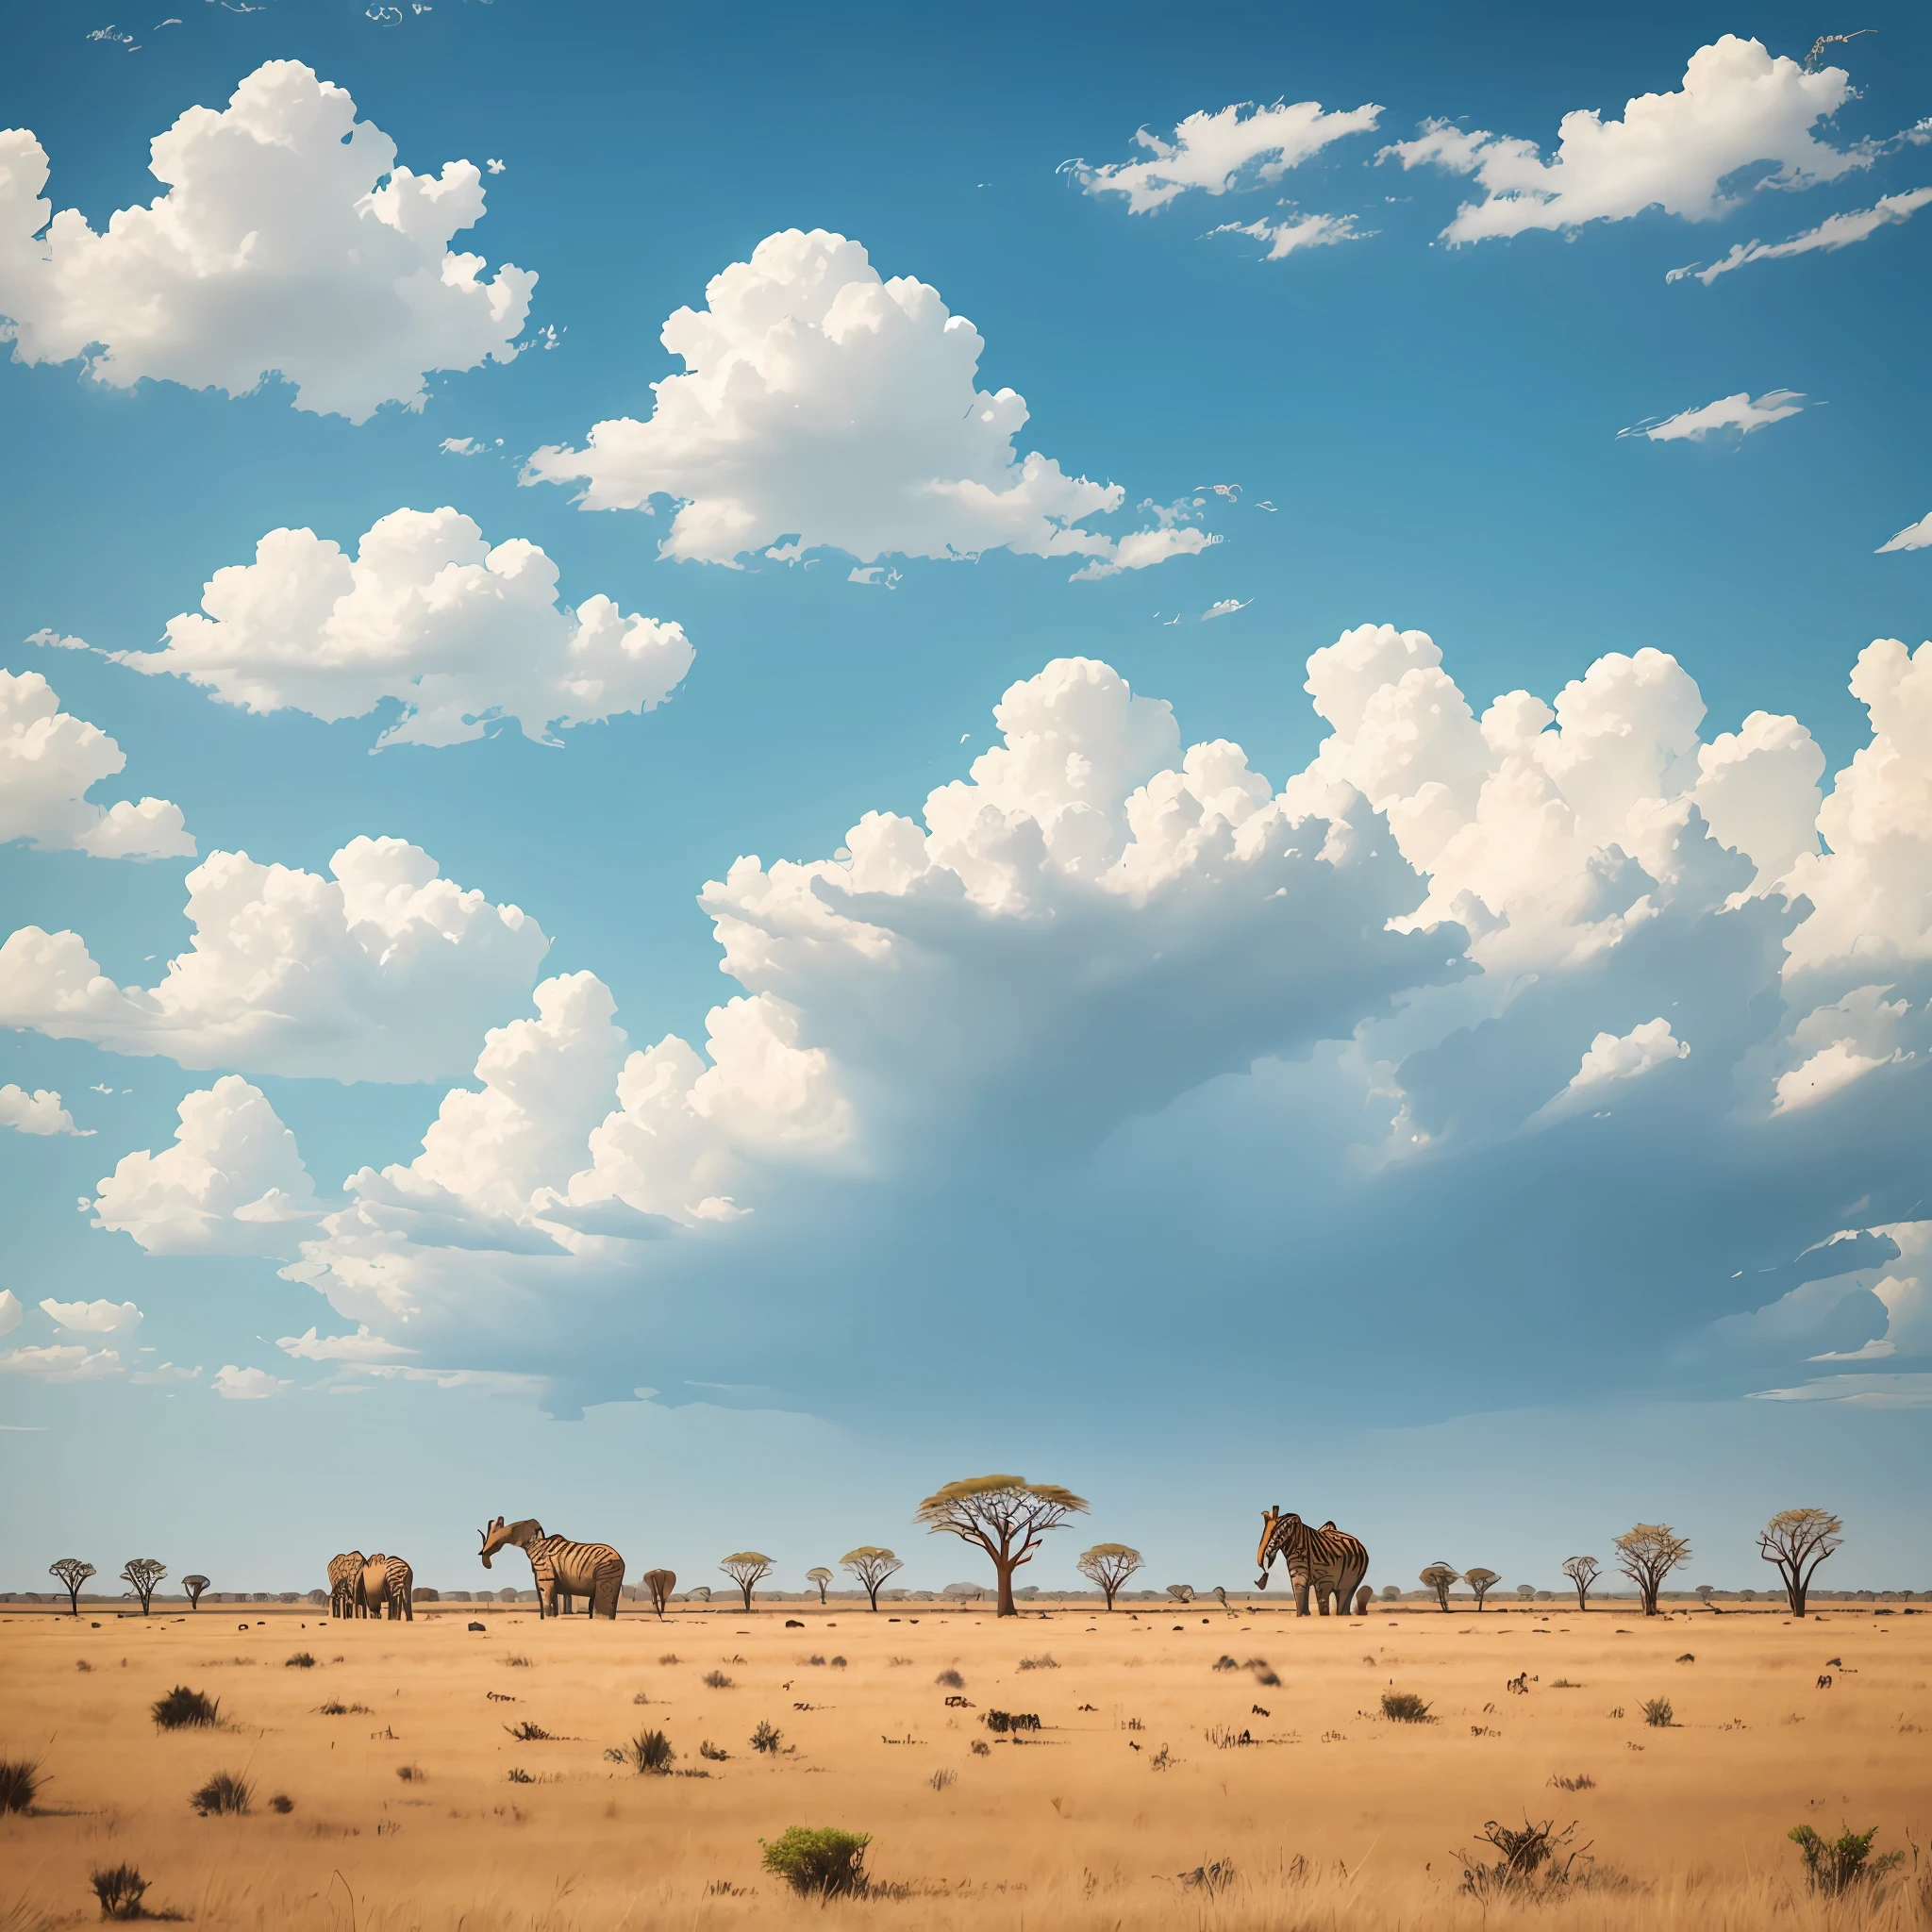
x,y
1797,1540
871,1565
1004,1515
1646,1553
1107,1566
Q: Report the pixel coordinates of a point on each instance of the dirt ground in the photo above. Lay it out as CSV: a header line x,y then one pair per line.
x,y
1163,1751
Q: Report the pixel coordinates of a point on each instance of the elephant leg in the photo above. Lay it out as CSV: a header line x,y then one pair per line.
x,y
1300,1596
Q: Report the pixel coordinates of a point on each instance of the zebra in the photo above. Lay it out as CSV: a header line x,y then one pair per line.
x,y
561,1566
344,1574
1330,1559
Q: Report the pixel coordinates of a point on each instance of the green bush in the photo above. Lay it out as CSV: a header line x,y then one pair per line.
x,y
1405,1707
826,1863
183,1708
1834,1865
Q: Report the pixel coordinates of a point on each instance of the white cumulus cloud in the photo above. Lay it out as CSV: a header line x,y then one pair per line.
x,y
385,972
233,1384
1738,109
1829,1071
428,614
38,1112
1613,1059
1834,232
233,1182
66,1362
1238,146
1738,412
287,241
49,760
823,406
1913,537
359,1347
93,1318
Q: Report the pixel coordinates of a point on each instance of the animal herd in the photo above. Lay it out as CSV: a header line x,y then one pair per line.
x,y
360,1585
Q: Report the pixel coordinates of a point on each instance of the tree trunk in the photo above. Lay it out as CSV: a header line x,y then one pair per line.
x,y
872,1590
1007,1608
746,1589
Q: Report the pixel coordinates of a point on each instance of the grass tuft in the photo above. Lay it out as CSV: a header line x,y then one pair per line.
x,y
649,1754
20,1783
1405,1707
528,1733
717,1680
1045,1661
300,1661
186,1710
1657,1713
225,1794
119,1887
767,1738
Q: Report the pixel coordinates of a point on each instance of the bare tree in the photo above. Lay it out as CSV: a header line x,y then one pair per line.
x,y
1107,1566
195,1585
1181,1592
747,1568
143,1573
1582,1572
1797,1540
871,1565
72,1571
1646,1553
1482,1581
1004,1515
1438,1577
821,1576
660,1583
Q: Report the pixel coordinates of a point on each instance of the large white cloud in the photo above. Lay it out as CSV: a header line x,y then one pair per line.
x,y
823,406
93,1318
385,972
289,240
38,1112
232,1182
233,1384
1237,147
1741,412
428,614
49,760
65,1362
1738,109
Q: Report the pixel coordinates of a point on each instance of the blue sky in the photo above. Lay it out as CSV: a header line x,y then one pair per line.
x,y
1445,1080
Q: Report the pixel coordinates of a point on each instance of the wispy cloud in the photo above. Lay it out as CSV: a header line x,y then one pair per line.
x,y
1837,231
1913,537
1738,412
1299,231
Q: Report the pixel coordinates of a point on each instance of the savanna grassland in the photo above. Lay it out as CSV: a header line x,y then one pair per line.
x,y
1170,1784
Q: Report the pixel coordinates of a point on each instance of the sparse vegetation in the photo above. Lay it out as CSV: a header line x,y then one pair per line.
x,y
521,1663
120,1890
517,1775
870,1566
717,1680
716,1753
1647,1555
767,1738
410,1773
20,1784
940,1780
1581,1782
1005,1720
1405,1707
649,1754
528,1733
981,1748
1657,1713
1535,1860
1837,1866
1045,1661
825,1864
951,1679
185,1709
300,1661
225,1794
281,1802
1108,1567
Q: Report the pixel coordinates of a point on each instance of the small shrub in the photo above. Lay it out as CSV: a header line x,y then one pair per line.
x,y
1045,1661
281,1802
1225,1663
1563,1684
1210,1879
837,1663
1687,1659
225,1794
519,1776
717,1680
1405,1707
941,1779
716,1753
183,1709
982,1748
649,1754
522,1663
528,1733
766,1739
119,1887
410,1773
1003,1721
20,1783
951,1679
1581,1782
670,1657
1657,1713
1534,1860
1835,1866
300,1661
826,1863
82,1664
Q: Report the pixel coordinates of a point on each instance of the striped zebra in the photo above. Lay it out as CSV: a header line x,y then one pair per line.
x,y
1329,1559
561,1566
345,1574
387,1580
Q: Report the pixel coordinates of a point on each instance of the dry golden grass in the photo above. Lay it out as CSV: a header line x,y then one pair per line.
x,y
405,1817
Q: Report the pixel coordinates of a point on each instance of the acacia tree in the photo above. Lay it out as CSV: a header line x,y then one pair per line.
x,y
1107,1566
1797,1540
72,1571
1181,1592
1583,1573
821,1576
747,1568
143,1573
1006,1516
195,1585
1438,1577
1646,1553
871,1565
1482,1581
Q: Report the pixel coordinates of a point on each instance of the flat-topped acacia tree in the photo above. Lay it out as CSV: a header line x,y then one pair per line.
x,y
747,1568
144,1573
1107,1566
1646,1553
1582,1572
1797,1540
195,1585
1482,1581
1438,1577
72,1571
821,1576
1004,1515
871,1565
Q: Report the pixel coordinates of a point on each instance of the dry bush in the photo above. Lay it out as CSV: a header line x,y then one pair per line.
x,y
185,1709
225,1794
1837,1866
300,1661
1405,1707
1045,1661
119,1887
1581,1782
20,1783
953,1680
649,1754
717,1680
767,1738
1657,1713
281,1802
1535,1860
